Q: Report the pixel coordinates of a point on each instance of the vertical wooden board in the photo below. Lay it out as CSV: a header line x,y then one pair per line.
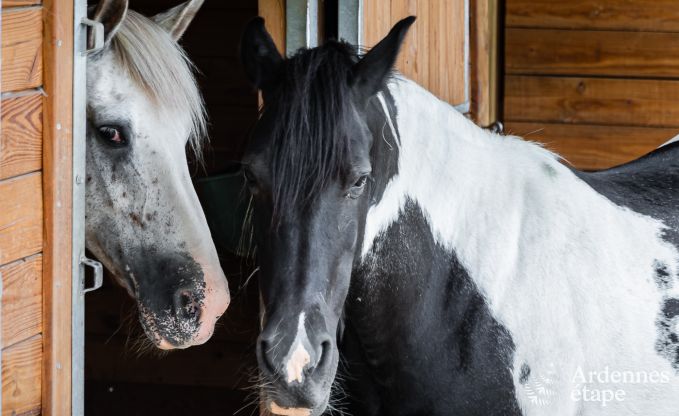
x,y
483,65
20,217
58,200
632,15
433,53
376,21
21,48
21,137
21,381
21,300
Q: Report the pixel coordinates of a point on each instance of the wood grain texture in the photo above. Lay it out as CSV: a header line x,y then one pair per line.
x,y
58,196
592,101
21,48
21,383
591,147
21,135
20,3
601,53
20,217
433,53
484,71
21,300
642,15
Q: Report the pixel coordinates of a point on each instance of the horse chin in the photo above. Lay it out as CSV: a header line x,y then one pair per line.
x,y
314,403
277,409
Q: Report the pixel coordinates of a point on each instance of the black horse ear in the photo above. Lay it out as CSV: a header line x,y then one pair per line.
x,y
371,72
259,55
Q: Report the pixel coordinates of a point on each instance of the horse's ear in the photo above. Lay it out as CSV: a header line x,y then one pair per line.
x,y
371,72
259,55
177,19
111,14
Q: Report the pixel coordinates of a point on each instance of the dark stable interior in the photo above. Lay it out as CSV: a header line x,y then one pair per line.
x,y
122,378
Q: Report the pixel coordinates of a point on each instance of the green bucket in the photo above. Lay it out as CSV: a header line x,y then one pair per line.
x,y
225,200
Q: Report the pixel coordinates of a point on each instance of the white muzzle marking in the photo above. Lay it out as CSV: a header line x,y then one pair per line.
x,y
298,357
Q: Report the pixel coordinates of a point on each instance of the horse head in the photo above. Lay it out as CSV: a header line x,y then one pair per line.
x,y
314,166
143,218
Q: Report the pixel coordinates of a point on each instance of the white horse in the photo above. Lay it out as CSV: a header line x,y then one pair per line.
x,y
143,218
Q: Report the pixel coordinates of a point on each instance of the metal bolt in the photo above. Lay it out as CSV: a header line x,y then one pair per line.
x,y
78,179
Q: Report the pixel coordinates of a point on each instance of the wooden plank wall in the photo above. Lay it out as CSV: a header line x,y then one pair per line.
x,y
592,79
434,51
21,206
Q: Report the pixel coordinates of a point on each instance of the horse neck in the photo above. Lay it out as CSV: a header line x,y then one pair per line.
x,y
476,188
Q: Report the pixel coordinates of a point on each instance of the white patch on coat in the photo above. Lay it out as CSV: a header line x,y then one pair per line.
x,y
568,273
298,357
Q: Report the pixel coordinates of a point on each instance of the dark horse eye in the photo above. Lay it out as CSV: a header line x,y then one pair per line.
x,y
112,136
360,183
358,187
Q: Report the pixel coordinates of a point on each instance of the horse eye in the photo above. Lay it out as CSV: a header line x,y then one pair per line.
x,y
357,188
112,136
360,183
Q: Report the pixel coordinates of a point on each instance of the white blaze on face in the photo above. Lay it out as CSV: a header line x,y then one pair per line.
x,y
298,357
289,411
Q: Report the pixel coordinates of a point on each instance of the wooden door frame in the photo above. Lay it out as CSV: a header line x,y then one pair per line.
x,y
58,55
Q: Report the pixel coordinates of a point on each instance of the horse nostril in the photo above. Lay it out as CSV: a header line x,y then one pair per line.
x,y
326,350
186,304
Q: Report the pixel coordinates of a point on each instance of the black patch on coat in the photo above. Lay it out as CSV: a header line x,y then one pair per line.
x,y
650,186
662,275
524,374
421,340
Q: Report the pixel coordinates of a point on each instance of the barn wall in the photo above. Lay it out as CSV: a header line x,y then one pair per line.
x,y
21,206
433,54
594,79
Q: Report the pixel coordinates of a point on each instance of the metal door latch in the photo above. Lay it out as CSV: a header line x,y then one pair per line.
x,y
95,36
98,270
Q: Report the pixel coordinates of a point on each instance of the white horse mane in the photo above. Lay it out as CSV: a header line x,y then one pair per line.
x,y
159,65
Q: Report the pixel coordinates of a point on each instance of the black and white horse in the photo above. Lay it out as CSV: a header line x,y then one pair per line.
x,y
458,271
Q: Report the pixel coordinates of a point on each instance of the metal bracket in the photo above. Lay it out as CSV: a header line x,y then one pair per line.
x,y
95,36
98,274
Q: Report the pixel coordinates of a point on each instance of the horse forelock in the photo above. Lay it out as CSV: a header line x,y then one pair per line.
x,y
161,68
310,111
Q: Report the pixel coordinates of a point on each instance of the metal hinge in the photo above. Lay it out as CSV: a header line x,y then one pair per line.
x,y
95,36
98,270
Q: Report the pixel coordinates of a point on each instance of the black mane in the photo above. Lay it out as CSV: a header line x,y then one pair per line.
x,y
310,109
